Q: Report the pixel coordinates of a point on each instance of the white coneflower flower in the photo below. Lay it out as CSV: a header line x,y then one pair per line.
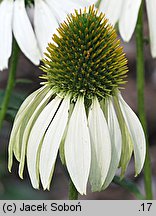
x,y
126,13
79,110
13,18
32,42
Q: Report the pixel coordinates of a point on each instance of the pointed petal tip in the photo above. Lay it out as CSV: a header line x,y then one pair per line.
x,y
9,168
82,192
126,38
35,186
48,188
21,176
45,186
10,162
37,61
153,55
3,67
20,173
138,170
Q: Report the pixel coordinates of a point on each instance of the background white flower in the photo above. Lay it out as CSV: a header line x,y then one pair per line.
x,y
126,13
14,18
32,39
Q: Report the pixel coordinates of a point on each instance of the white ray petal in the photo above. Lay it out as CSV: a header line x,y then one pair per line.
x,y
14,137
61,12
112,9
57,10
30,98
17,146
6,12
127,145
27,126
24,33
71,5
61,148
90,2
151,6
116,142
136,132
52,142
77,147
100,146
45,24
128,18
30,12
35,139
23,119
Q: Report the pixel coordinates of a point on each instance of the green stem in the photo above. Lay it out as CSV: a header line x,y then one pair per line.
x,y
130,186
141,103
73,193
10,83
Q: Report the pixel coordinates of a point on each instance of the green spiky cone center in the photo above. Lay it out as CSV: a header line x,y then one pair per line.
x,y
86,57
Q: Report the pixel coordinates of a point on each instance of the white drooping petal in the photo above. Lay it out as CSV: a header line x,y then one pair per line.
x,y
127,145
151,6
45,24
136,132
77,147
6,11
128,18
52,142
112,9
116,142
61,148
100,146
30,98
57,10
35,139
26,107
14,144
24,33
27,126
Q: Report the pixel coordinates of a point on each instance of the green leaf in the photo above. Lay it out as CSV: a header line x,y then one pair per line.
x,y
14,104
24,81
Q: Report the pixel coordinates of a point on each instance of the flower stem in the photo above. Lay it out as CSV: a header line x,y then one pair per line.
x,y
130,186
73,193
141,103
10,83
